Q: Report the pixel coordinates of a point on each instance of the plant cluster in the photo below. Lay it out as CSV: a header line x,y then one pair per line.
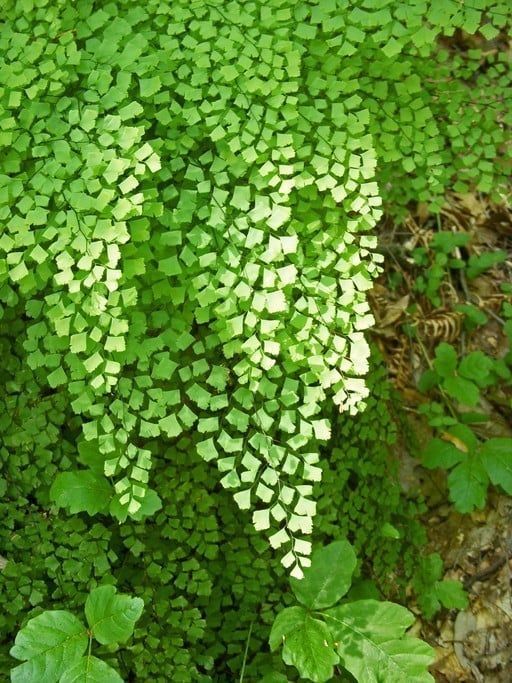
x,y
361,474
148,145
54,643
187,194
432,591
366,637
206,577
473,460
439,259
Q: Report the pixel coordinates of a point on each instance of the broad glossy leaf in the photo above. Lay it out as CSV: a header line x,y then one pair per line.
x,y
287,621
372,646
50,643
381,620
328,578
112,616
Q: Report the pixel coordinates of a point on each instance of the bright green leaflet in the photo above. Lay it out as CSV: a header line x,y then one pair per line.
x,y
111,617
308,645
328,578
49,644
434,593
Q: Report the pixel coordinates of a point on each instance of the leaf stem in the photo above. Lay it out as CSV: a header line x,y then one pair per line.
x,y
246,651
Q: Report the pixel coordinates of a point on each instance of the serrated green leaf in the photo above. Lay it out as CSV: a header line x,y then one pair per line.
x,y
447,241
496,455
112,616
463,390
489,31
479,263
445,361
476,366
49,644
307,643
170,426
468,485
440,453
57,378
451,594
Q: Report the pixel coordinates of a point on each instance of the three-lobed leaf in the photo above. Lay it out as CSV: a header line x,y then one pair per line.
x,y
112,616
367,637
432,592
473,463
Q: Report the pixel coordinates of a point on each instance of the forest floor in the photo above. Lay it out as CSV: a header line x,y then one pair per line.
x,y
455,290
474,644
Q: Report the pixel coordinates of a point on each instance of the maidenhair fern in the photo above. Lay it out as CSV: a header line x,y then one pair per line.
x,y
187,194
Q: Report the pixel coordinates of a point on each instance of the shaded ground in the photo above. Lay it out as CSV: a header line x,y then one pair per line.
x,y
474,644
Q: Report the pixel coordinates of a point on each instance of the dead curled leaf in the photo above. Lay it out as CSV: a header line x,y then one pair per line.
x,y
458,443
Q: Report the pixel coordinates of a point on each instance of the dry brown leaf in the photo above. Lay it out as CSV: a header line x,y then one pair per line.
x,y
441,326
394,311
458,443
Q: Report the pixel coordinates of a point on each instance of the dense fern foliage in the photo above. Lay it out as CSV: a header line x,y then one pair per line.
x,y
206,576
188,193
